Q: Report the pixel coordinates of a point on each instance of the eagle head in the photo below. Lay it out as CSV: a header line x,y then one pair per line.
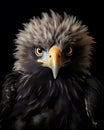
x,y
58,44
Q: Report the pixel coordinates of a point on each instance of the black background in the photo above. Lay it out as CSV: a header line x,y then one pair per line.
x,y
14,13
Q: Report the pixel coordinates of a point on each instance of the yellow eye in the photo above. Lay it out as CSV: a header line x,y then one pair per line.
x,y
39,51
69,51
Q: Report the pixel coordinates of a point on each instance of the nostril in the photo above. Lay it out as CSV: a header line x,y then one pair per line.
x,y
59,55
49,56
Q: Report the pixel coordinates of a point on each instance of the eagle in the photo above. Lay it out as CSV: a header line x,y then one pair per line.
x,y
50,86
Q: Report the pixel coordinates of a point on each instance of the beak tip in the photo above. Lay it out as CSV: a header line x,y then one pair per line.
x,y
55,73
54,77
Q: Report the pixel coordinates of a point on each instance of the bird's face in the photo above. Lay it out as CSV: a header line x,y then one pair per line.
x,y
60,44
54,58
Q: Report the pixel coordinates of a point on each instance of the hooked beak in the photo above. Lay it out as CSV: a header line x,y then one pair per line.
x,y
53,60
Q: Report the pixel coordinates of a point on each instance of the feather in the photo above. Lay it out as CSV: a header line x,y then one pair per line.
x,y
94,100
60,97
8,95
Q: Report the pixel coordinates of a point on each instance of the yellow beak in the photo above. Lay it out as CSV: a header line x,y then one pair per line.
x,y
53,60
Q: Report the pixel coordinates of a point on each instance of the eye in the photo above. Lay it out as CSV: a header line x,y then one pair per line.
x,y
68,51
39,51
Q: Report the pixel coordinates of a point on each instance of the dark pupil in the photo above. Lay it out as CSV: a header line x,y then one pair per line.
x,y
39,50
67,50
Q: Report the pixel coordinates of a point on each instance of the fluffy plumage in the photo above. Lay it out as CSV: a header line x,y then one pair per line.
x,y
32,98
50,30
